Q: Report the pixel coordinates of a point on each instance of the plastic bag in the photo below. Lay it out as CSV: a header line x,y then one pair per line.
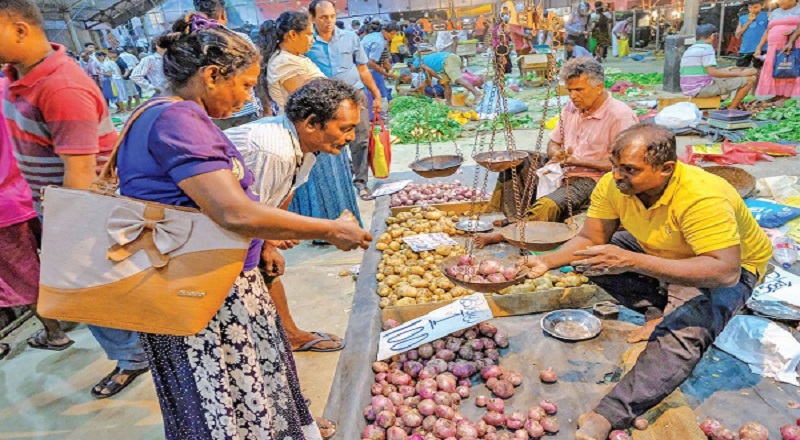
x,y
769,214
732,154
624,49
550,178
488,104
680,115
379,154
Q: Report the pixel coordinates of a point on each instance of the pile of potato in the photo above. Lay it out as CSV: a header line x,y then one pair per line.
x,y
406,277
546,282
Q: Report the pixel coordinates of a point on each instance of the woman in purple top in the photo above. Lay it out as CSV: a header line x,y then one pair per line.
x,y
235,379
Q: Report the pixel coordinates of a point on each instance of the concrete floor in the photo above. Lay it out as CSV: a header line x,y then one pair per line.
x,y
45,395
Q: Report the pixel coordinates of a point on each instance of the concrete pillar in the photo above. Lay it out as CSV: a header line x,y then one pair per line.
x,y
674,47
691,13
72,33
720,37
144,28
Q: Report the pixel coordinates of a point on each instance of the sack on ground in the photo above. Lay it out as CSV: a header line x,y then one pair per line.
x,y
680,115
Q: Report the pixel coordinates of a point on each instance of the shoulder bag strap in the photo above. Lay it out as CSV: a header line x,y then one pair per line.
x,y
107,182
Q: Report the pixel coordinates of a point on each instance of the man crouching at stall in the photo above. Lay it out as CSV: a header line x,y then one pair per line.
x,y
688,259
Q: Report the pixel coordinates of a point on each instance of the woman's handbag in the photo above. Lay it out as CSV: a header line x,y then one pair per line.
x,y
787,66
119,262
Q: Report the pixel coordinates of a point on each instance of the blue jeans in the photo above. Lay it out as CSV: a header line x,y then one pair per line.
x,y
380,82
122,346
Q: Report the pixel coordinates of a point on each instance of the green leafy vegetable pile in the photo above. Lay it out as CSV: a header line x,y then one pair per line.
x,y
642,79
786,127
523,121
416,119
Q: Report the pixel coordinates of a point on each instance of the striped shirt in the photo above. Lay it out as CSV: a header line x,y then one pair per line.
x,y
55,109
693,67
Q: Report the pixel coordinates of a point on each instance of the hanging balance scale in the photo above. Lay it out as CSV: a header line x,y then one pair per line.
x,y
433,166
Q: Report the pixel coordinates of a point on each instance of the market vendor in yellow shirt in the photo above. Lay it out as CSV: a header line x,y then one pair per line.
x,y
398,47
688,259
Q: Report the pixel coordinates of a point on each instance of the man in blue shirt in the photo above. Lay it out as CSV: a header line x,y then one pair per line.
x,y
575,51
339,54
376,46
445,67
751,29
414,34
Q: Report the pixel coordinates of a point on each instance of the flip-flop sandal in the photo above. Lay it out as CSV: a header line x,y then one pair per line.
x,y
39,341
321,337
5,349
113,386
326,427
365,194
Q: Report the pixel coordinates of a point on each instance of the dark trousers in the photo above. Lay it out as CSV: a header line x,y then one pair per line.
x,y
693,318
359,148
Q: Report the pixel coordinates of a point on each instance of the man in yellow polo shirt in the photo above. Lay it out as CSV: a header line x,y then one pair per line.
x,y
688,260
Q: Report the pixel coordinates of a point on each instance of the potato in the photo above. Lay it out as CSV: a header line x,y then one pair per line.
x,y
384,303
391,280
395,246
384,292
406,291
406,302
380,276
417,270
381,246
385,238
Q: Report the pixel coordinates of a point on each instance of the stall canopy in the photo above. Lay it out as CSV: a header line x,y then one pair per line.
x,y
92,13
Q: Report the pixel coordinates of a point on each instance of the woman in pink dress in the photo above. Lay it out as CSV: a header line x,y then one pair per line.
x,y
783,20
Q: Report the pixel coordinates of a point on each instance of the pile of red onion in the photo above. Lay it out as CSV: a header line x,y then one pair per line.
x,y
417,395
749,431
470,270
431,193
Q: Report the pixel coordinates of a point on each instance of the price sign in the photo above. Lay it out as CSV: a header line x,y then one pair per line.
x,y
464,313
390,188
428,242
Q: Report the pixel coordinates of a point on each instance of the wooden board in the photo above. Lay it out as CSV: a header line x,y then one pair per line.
x,y
514,304
701,103
457,207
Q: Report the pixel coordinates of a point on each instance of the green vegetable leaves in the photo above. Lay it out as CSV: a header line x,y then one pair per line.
x,y
416,119
786,127
642,79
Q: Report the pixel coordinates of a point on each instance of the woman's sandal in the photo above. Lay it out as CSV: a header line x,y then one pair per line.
x,y
326,428
114,387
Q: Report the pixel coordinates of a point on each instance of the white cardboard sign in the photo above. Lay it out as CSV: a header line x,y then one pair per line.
x,y
390,188
428,242
461,314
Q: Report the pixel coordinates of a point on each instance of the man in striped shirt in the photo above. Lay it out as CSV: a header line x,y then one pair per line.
x,y
61,131
700,76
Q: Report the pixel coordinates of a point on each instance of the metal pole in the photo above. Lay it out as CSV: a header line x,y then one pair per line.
x,y
721,35
72,33
658,28
633,37
144,28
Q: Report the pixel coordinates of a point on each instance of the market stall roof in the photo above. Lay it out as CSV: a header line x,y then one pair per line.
x,y
91,13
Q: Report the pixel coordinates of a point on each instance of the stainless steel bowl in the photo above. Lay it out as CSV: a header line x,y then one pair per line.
x,y
571,324
468,225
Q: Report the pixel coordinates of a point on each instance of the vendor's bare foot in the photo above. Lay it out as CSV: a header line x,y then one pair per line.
x,y
592,426
643,333
482,240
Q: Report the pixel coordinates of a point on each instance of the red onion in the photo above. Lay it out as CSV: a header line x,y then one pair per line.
x,y
753,431
438,344
727,434
388,388
619,435
445,412
372,432
445,355
380,377
503,389
488,343
395,433
407,391
427,373
790,432
466,353
466,430
708,426
548,376
412,401
521,434
494,418
491,382
510,272
385,419
534,429
475,344
492,353
481,427
376,389
549,406
439,365
416,437
369,413
466,382
381,403
515,421
426,407
550,424
446,382
496,278
390,323
513,377
536,413
495,404
455,400
471,333
501,338
463,391
460,418
412,368
641,424
487,329
444,428
426,388
399,378
442,398
396,398
481,401
466,260
491,371
428,422
412,419
380,367
463,370
488,267
425,351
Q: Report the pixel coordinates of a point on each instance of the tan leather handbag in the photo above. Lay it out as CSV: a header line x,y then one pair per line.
x,y
130,264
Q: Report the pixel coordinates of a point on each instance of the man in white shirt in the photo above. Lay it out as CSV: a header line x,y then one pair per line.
x,y
149,73
320,117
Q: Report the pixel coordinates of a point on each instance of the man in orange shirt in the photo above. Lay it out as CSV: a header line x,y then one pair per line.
x,y
581,143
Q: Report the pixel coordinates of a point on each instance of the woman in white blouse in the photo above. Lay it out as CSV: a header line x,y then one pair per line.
x,y
283,43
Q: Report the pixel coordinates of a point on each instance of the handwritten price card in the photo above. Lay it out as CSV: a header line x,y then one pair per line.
x,y
464,313
428,242
390,188
779,285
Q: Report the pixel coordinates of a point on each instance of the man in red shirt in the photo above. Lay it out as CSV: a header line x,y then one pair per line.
x,y
61,131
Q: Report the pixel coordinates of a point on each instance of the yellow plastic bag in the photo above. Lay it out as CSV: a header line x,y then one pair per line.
x,y
379,154
623,47
551,123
